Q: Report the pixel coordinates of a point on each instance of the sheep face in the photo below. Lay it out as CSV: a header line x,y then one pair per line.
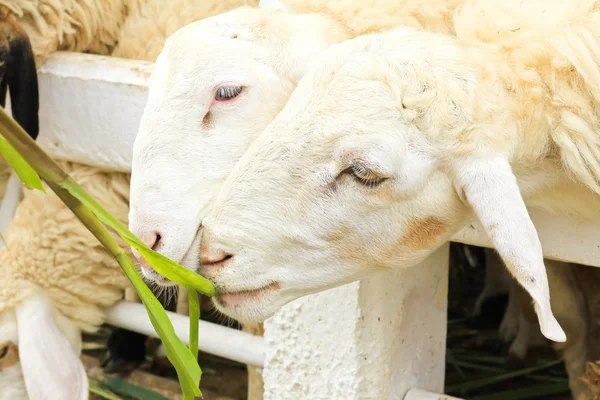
x,y
332,190
39,353
216,85
355,175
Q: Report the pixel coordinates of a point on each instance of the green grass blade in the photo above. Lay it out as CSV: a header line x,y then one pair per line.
x,y
533,392
194,305
132,391
188,370
78,201
26,174
465,387
102,392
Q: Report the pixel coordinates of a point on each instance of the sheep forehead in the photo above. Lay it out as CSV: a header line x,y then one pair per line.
x,y
244,24
336,102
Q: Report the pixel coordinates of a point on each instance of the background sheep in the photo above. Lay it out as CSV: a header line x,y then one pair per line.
x,y
56,281
437,94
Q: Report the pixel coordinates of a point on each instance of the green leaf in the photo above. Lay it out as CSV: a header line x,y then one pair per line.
x,y
161,264
104,393
130,390
532,392
194,315
188,370
26,174
90,213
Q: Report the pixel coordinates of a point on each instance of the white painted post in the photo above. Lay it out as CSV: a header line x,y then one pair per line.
x,y
373,339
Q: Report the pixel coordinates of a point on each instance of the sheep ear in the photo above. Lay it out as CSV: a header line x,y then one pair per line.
x,y
51,367
488,185
21,75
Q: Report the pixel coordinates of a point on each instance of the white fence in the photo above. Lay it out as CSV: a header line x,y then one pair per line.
x,y
381,338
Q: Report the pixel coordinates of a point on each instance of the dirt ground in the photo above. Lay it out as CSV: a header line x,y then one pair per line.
x,y
477,366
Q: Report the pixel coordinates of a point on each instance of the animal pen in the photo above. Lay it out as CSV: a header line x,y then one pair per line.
x,y
381,338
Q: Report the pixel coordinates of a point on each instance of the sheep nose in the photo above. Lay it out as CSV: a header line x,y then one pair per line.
x,y
152,240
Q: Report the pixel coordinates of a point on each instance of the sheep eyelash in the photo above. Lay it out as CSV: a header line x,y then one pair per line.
x,y
228,93
364,176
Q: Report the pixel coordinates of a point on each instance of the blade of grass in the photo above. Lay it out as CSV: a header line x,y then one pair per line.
x,y
130,390
187,368
465,387
527,393
482,358
51,172
104,393
26,174
194,315
452,361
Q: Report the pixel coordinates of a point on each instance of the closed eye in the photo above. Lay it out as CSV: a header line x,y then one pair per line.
x,y
363,175
226,93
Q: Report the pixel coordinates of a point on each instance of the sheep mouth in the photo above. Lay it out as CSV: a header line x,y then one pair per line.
x,y
234,298
150,275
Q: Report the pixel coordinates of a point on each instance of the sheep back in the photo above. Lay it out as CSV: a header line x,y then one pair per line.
x,y
73,25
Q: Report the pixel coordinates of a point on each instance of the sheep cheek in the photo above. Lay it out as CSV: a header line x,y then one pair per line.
x,y
422,233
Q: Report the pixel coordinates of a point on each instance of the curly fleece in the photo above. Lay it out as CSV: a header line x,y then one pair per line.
x,y
48,247
128,28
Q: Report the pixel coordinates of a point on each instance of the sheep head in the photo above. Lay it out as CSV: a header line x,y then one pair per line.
x,y
216,85
39,351
386,148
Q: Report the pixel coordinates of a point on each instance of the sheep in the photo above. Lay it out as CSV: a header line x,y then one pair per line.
x,y
245,21
56,281
166,204
574,290
443,138
436,17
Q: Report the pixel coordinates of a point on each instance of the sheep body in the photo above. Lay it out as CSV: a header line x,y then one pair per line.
x,y
128,28
73,25
383,15
78,274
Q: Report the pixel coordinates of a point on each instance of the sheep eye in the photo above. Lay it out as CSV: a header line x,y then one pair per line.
x,y
364,176
228,93
3,351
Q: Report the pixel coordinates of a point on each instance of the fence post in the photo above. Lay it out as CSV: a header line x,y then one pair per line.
x,y
373,339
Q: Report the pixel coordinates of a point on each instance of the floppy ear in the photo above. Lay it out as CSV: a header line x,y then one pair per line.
x,y
488,185
21,76
51,367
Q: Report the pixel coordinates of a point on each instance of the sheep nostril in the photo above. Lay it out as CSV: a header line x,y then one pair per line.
x,y
156,242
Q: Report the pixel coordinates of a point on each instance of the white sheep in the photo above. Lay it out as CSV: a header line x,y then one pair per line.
x,y
167,203
52,261
56,281
451,129
437,16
